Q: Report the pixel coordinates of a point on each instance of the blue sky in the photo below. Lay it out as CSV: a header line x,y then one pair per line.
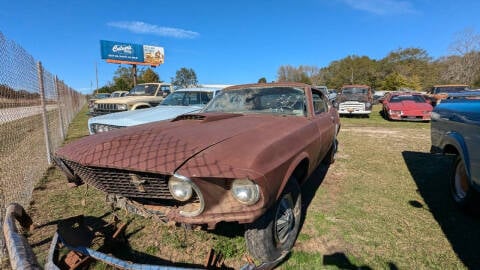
x,y
229,42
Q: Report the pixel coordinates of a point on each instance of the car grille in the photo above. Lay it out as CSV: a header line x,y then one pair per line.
x,y
105,107
352,106
122,182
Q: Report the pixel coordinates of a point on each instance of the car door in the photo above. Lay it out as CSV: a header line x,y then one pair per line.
x,y
324,121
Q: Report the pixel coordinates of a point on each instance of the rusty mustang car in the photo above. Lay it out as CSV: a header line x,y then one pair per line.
x,y
241,159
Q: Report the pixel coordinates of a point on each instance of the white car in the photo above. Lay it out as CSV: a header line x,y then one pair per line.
x,y
181,101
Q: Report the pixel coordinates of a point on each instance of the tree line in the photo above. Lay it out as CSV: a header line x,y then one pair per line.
x,y
411,68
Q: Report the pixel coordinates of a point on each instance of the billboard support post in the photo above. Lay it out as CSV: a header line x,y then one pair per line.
x,y
134,70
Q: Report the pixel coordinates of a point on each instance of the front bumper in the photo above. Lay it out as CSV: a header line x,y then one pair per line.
x,y
353,112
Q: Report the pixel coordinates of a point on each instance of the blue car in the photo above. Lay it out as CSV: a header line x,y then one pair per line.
x,y
181,101
455,130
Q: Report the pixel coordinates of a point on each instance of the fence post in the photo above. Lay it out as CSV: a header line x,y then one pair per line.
x,y
44,111
3,246
59,104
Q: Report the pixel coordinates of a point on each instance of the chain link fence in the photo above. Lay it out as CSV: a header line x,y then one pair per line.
x,y
35,111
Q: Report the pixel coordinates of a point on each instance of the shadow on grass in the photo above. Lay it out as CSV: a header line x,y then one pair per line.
x,y
309,188
341,261
431,174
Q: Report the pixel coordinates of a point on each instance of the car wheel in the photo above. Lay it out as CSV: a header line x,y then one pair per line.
x,y
462,192
272,235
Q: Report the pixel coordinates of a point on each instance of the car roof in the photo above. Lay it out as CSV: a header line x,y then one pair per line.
x,y
199,89
471,93
275,84
450,85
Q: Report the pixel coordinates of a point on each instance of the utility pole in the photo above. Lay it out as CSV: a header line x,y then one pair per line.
x,y
96,75
351,77
134,70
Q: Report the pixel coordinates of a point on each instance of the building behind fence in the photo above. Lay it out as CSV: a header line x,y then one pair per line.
x,y
35,111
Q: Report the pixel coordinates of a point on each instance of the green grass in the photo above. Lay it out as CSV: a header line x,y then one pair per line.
x,y
382,205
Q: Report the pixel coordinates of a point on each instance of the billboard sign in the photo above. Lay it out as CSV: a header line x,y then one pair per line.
x,y
129,53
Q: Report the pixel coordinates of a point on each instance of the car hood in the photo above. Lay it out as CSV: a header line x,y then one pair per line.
x,y
162,147
137,117
351,97
464,111
127,99
410,105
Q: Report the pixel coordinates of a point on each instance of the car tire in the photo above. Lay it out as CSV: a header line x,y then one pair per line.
x,y
272,236
463,194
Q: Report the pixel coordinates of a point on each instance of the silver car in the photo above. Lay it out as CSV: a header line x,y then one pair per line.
x,y
181,101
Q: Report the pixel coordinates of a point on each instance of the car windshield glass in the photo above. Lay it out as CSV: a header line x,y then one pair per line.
x,y
187,98
271,100
450,89
102,96
415,98
143,90
354,90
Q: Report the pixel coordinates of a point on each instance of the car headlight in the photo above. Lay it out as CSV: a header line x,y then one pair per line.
x,y
395,112
426,112
368,105
95,105
183,189
99,128
180,187
245,191
122,107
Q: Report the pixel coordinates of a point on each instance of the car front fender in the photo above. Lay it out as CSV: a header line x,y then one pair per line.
x,y
456,140
140,105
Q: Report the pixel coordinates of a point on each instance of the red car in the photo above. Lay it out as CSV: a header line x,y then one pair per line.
x,y
406,106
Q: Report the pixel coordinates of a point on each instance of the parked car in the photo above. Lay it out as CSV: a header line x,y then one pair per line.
x,y
408,106
98,96
455,130
439,92
145,95
119,94
241,159
354,99
379,95
332,94
179,102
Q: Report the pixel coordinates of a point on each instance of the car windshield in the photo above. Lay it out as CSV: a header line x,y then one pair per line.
x,y
103,95
400,98
143,90
187,98
450,89
354,90
268,100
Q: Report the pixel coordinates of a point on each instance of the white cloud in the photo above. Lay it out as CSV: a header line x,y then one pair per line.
x,y
145,28
381,7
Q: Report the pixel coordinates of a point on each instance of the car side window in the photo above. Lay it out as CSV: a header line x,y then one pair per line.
x,y
319,104
193,98
206,97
